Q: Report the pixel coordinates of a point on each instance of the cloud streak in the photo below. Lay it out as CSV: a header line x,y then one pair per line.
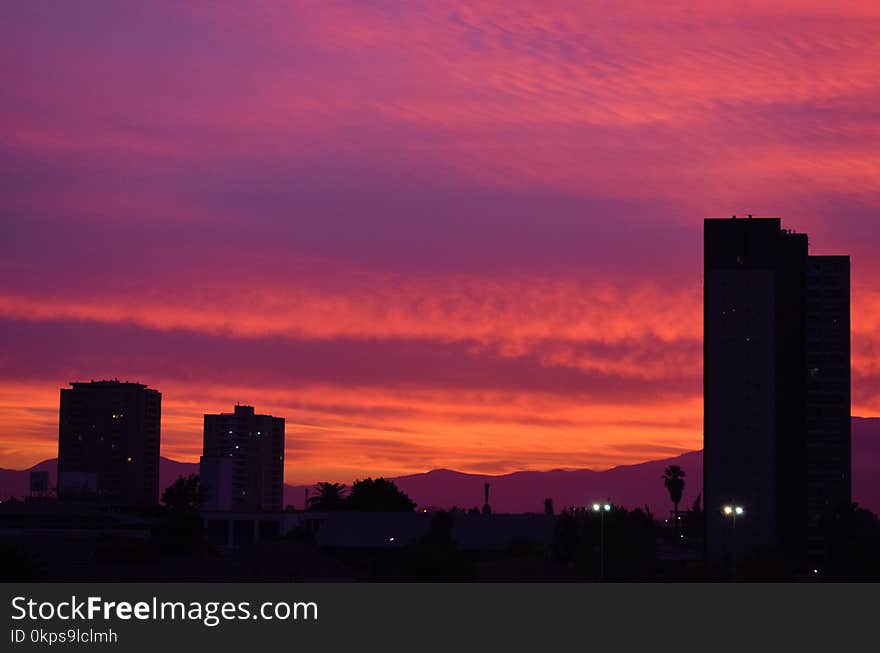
x,y
430,234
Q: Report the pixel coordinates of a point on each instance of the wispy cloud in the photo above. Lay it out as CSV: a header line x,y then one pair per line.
x,y
430,234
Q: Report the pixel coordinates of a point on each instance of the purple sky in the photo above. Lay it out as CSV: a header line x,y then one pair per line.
x,y
428,234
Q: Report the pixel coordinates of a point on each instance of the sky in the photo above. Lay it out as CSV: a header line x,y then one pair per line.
x,y
428,234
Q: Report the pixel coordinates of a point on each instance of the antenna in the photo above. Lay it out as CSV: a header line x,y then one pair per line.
x,y
486,508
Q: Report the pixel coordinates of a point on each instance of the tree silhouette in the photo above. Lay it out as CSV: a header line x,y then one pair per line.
x,y
673,479
185,495
630,543
695,519
566,537
433,557
330,496
852,536
378,495
180,528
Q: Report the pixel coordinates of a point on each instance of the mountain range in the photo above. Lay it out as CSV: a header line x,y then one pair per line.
x,y
627,485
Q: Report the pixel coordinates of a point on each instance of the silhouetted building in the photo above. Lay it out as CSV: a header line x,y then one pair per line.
x,y
253,445
39,483
108,443
765,450
829,421
215,475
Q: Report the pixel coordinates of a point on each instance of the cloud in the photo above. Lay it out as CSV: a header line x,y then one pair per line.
x,y
473,231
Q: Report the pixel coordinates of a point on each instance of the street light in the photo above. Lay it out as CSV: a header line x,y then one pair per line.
x,y
602,508
733,511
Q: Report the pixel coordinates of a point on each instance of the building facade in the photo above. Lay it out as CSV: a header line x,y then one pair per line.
x,y
108,443
829,422
766,449
242,465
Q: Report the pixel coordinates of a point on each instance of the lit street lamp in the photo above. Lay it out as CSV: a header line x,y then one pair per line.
x,y
601,508
733,511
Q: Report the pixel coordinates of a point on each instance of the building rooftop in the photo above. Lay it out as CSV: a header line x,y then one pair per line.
x,y
106,383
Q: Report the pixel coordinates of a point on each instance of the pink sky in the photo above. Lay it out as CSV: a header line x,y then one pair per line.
x,y
427,234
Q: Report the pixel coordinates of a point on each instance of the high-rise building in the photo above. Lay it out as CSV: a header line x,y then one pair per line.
x,y
108,442
829,422
242,465
775,389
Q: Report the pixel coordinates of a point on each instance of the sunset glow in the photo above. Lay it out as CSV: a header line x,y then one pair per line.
x,y
428,235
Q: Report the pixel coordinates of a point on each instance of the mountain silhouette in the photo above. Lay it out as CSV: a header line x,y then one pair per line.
x,y
627,485
15,483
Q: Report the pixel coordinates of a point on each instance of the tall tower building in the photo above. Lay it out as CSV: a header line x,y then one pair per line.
x,y
828,391
242,465
765,328
108,442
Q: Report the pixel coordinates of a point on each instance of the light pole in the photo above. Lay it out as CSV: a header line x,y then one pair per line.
x,y
602,508
733,511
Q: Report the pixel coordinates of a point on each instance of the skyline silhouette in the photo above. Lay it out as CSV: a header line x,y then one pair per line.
x,y
522,491
393,291
777,459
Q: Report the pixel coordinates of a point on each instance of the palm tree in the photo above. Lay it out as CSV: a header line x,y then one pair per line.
x,y
673,479
330,496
